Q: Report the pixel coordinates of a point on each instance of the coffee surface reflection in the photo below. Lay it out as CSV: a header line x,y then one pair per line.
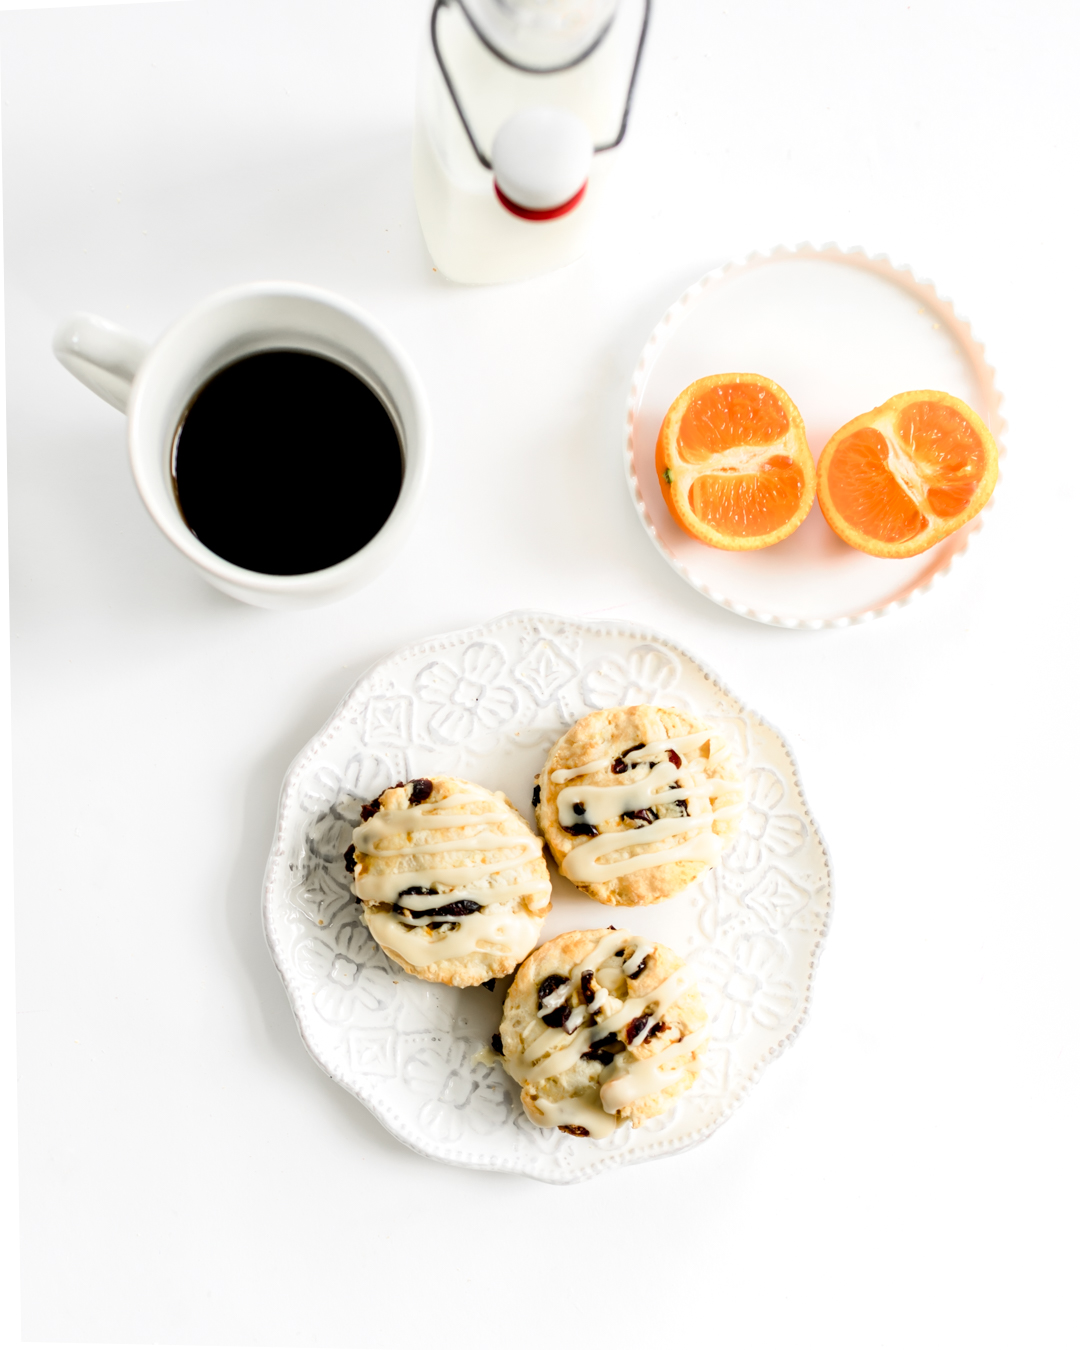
x,y
286,462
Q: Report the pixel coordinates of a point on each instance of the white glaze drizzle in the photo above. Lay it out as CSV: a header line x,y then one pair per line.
x,y
584,1110
551,1054
641,953
371,836
642,1034
598,1000
582,864
386,887
609,802
497,926
627,1079
594,766
682,745
493,929
646,1077
556,998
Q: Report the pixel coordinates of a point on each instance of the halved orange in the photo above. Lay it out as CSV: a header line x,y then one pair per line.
x,y
733,462
898,480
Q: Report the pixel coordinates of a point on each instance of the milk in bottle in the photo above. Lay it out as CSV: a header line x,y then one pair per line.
x,y
522,105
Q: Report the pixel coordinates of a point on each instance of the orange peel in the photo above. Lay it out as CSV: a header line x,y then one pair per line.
x,y
733,462
899,479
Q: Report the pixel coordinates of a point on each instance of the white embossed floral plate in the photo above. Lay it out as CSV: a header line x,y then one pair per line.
x,y
486,704
841,332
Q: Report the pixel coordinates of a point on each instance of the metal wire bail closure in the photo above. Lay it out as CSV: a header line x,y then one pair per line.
x,y
525,212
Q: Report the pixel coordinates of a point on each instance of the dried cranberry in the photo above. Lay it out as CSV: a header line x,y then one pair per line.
x,y
557,1017
636,974
619,764
674,759
588,985
657,1030
457,909
536,796
366,812
579,808
647,815
496,1043
579,1130
605,1049
581,827
419,790
350,858
394,785
684,810
636,1027
417,890
549,985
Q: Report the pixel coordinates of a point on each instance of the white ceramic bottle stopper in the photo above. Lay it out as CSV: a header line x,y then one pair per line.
x,y
541,158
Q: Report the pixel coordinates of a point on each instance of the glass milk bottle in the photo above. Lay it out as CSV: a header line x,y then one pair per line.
x,y
521,107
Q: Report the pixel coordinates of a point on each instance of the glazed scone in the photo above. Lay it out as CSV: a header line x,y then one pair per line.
x,y
600,1028
453,882
636,802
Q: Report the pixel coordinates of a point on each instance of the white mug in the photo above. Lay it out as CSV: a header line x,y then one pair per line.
x,y
156,385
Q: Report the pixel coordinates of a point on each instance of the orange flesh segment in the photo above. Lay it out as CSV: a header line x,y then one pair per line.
x,y
866,494
748,505
729,415
947,453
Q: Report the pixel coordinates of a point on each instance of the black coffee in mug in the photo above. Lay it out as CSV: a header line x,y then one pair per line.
x,y
286,462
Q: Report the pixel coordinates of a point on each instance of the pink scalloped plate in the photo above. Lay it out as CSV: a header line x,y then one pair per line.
x,y
841,332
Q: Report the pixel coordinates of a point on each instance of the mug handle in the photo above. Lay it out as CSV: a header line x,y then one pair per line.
x,y
101,355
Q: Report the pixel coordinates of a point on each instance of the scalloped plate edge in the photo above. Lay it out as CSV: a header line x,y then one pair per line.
x,y
901,275
387,1118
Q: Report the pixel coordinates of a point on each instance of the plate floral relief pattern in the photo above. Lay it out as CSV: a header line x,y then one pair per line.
x,y
486,704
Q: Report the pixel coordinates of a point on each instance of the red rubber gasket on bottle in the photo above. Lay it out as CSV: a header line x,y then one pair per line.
x,y
549,213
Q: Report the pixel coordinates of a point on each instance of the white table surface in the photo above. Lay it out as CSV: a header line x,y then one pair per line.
x,y
906,1174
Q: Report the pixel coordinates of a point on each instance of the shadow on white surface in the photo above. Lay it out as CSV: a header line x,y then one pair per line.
x,y
270,1018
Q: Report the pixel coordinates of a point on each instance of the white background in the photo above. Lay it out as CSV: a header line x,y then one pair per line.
x,y
907,1174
